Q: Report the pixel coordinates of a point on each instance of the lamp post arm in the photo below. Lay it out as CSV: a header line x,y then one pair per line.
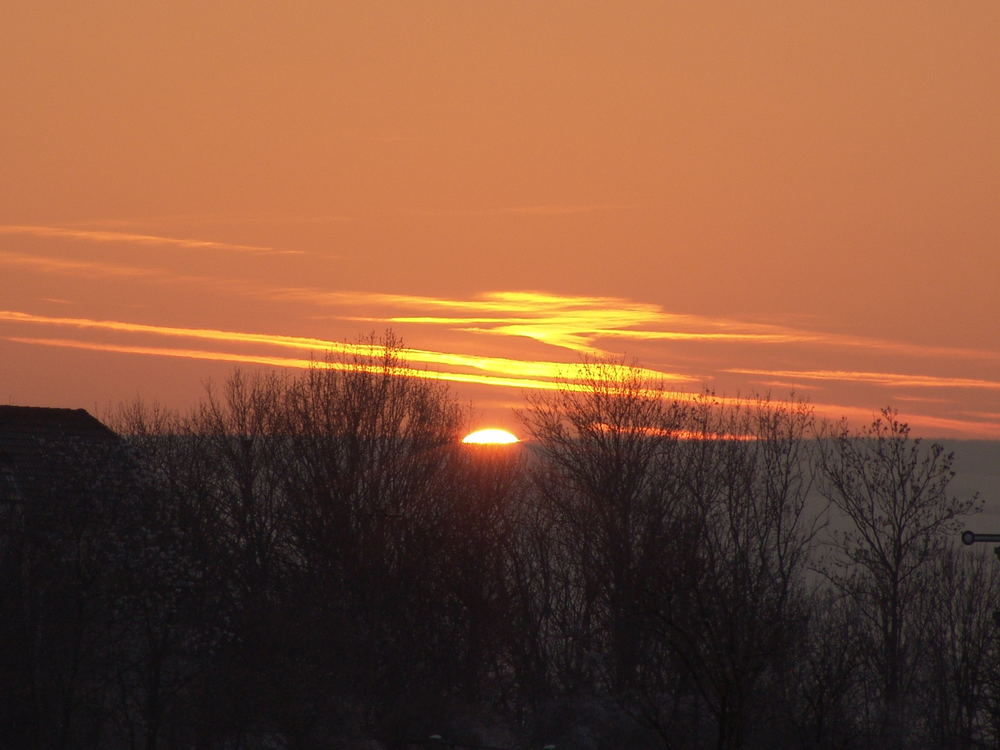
x,y
970,537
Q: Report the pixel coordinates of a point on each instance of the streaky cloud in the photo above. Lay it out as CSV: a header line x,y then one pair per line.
x,y
982,425
892,379
47,264
923,399
785,385
300,363
569,322
982,414
579,322
101,269
977,428
497,365
105,236
206,219
542,209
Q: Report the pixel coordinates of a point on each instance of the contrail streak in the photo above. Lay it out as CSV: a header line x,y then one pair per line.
x,y
879,378
501,365
96,235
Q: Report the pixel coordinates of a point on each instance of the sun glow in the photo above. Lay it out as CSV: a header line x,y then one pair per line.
x,y
490,436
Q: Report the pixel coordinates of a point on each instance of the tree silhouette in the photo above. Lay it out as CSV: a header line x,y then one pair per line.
x,y
893,494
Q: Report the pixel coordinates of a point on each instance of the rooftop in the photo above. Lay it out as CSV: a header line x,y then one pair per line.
x,y
31,437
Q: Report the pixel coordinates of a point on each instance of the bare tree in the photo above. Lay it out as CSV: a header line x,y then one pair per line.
x,y
369,492
817,690
175,602
477,576
330,497
961,631
733,603
606,452
242,429
678,537
892,492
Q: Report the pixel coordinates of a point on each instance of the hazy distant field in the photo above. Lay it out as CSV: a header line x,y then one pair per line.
x,y
977,463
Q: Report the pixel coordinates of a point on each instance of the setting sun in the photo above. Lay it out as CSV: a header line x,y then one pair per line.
x,y
490,436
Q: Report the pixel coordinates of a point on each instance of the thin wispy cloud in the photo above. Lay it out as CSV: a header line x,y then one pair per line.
x,y
95,269
206,220
84,268
450,366
971,427
892,379
496,366
786,386
923,399
572,324
579,323
966,427
132,238
983,414
576,323
300,363
544,209
980,425
569,322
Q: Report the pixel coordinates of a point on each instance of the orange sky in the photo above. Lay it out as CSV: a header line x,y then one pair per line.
x,y
749,196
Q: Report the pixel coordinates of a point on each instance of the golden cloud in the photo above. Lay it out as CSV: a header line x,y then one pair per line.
x,y
300,363
568,322
523,371
578,323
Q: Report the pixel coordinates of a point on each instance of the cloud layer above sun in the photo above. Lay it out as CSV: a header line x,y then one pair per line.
x,y
507,340
742,197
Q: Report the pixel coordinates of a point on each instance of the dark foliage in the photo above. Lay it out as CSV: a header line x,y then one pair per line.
x,y
316,562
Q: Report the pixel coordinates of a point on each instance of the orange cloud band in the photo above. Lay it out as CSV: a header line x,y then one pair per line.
x,y
574,323
75,267
577,322
257,359
94,235
880,378
504,366
100,269
977,428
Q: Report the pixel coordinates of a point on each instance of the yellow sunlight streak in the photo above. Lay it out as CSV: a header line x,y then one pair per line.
x,y
621,312
507,367
569,322
569,336
979,428
457,377
575,322
516,324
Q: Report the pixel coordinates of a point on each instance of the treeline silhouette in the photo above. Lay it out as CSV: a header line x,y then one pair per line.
x,y
317,562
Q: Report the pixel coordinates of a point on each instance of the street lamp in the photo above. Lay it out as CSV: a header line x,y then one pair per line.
x,y
970,537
